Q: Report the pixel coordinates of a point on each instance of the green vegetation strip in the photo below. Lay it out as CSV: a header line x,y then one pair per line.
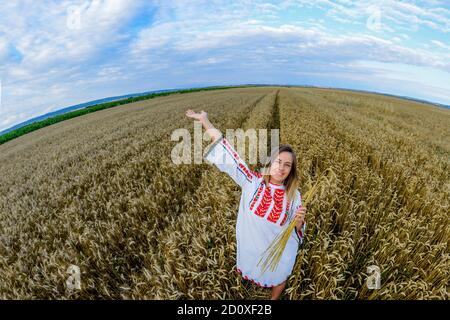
x,y
72,114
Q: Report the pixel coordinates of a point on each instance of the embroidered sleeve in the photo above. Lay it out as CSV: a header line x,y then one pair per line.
x,y
227,160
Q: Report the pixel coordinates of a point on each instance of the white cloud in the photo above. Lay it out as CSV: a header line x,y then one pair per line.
x,y
406,16
4,46
293,39
43,32
440,44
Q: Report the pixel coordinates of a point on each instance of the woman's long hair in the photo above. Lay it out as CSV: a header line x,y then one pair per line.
x,y
291,182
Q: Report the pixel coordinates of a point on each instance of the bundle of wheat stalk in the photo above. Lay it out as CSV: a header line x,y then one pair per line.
x,y
271,257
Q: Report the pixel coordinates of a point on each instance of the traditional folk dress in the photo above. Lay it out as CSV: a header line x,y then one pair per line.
x,y
263,212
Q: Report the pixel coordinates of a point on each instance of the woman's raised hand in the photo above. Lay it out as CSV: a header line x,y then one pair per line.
x,y
197,115
203,118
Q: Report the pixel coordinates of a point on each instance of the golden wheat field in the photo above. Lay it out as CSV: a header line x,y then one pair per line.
x,y
100,192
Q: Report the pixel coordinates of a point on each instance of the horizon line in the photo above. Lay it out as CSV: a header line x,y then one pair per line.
x,y
124,96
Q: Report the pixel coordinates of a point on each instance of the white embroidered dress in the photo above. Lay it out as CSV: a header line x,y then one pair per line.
x,y
263,212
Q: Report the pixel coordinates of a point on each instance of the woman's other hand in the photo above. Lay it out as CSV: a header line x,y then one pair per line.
x,y
300,217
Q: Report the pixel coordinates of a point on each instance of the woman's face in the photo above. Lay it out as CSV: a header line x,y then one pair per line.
x,y
280,168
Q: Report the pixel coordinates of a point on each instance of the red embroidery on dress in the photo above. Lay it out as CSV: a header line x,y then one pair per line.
x,y
277,207
256,174
255,199
265,203
253,281
227,145
244,168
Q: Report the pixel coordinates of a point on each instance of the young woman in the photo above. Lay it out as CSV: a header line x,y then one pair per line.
x,y
269,201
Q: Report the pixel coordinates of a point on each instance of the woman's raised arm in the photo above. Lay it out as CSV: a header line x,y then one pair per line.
x,y
222,154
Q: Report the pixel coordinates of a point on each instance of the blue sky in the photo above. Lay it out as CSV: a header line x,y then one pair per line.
x,y
59,53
